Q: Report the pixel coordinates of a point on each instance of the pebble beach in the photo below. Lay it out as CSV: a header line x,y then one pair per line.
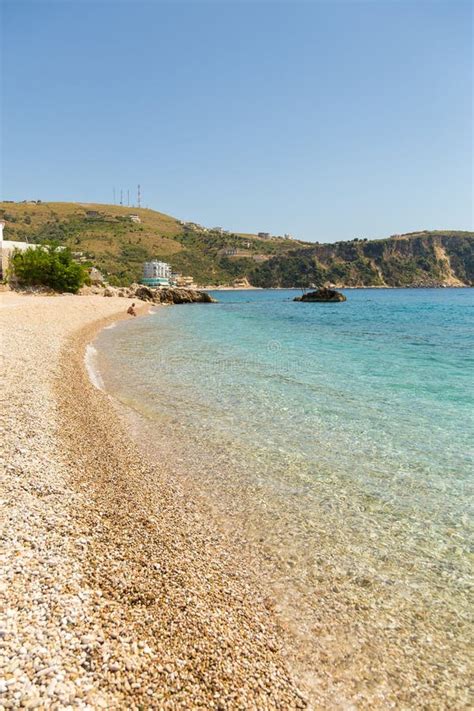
x,y
116,591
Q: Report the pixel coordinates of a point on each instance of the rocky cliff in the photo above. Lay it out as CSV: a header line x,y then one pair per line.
x,y
416,259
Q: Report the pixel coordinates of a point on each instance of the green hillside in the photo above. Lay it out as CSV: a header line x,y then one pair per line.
x,y
415,259
105,236
118,246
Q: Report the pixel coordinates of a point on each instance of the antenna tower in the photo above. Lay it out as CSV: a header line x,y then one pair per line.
x,y
139,196
121,196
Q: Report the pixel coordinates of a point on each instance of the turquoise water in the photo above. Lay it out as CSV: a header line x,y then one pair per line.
x,y
337,438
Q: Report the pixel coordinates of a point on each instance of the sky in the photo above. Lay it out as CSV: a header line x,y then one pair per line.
x,y
327,120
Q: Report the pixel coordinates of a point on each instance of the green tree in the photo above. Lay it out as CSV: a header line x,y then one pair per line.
x,y
48,266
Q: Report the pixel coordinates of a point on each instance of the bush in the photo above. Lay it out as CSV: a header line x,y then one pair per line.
x,y
48,266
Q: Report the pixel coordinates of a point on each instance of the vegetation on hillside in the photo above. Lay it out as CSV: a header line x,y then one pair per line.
x,y
106,236
418,259
118,246
47,266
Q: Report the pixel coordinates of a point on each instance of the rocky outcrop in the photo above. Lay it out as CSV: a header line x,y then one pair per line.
x,y
183,296
166,295
322,295
145,293
421,259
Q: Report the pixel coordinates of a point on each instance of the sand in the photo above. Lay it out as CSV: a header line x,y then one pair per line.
x,y
118,592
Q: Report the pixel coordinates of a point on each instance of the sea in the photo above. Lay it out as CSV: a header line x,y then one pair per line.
x,y
335,443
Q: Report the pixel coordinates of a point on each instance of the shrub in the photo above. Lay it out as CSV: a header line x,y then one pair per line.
x,y
48,266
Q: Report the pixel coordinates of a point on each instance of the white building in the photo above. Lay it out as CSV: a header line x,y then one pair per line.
x,y
156,273
7,247
194,226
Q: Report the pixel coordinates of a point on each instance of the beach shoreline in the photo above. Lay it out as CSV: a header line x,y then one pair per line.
x,y
318,536
118,593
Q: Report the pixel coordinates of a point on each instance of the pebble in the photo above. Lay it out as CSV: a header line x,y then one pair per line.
x,y
85,519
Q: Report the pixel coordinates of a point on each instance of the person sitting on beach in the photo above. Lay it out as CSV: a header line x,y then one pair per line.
x,y
131,310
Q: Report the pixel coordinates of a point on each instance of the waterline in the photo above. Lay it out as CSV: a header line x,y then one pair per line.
x,y
335,444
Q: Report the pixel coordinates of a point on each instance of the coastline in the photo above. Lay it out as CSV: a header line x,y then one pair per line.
x,y
336,286
346,598
119,592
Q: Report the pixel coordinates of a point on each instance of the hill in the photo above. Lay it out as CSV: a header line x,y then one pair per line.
x,y
416,259
106,236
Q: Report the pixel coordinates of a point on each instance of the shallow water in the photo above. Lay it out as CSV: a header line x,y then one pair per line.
x,y
337,440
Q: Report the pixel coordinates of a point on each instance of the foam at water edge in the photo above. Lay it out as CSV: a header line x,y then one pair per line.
x,y
90,360
112,325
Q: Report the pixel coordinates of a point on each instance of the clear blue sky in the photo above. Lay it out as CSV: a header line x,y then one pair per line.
x,y
328,120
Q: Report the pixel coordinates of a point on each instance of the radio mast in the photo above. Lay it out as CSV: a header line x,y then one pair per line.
x,y
139,196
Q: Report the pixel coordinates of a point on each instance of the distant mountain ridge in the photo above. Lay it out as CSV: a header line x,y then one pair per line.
x,y
108,237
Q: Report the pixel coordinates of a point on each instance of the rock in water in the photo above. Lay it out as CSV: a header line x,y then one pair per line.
x,y
322,295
